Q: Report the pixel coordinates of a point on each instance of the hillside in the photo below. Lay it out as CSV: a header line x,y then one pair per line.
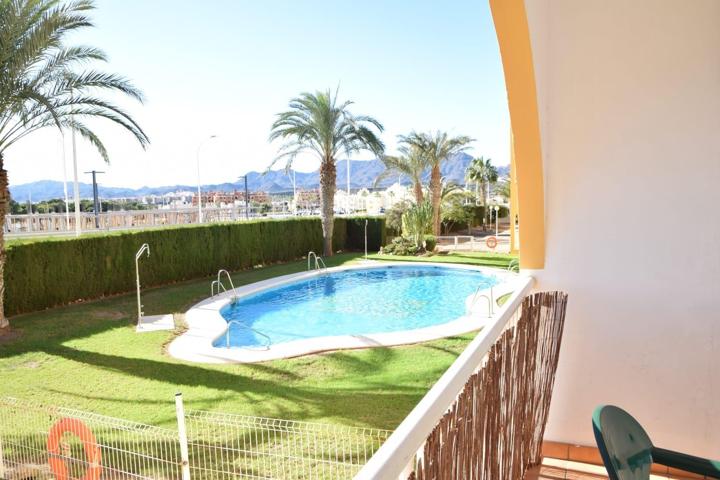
x,y
362,175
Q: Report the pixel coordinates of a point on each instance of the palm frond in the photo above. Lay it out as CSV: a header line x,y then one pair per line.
x,y
320,124
45,83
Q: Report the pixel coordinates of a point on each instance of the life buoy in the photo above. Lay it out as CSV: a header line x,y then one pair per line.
x,y
90,446
491,242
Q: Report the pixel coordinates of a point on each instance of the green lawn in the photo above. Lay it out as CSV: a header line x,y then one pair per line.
x,y
486,259
88,356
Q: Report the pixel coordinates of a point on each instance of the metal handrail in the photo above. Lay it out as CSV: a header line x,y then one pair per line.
x,y
490,299
319,262
309,256
482,295
243,324
218,283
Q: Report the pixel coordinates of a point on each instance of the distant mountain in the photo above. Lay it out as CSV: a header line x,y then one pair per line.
x,y
362,175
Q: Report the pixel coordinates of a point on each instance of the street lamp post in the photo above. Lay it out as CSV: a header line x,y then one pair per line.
x,y
247,198
198,175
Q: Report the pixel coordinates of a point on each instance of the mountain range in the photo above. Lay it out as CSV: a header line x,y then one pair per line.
x,y
362,175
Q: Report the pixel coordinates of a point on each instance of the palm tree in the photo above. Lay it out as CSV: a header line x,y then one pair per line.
x,y
41,84
435,149
504,188
410,162
320,124
483,173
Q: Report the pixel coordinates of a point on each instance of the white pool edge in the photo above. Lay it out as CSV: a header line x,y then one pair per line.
x,y
206,324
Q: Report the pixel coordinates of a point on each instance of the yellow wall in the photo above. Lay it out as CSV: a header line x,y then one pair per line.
x,y
514,39
514,210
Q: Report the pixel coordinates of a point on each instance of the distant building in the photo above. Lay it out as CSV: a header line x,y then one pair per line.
x,y
236,197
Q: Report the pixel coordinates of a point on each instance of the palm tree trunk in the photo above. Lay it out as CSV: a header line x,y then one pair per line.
x,y
436,191
4,203
328,174
419,197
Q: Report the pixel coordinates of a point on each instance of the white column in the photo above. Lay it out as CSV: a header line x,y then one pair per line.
x,y
182,436
76,187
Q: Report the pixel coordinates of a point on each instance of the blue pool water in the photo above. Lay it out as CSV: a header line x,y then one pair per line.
x,y
353,302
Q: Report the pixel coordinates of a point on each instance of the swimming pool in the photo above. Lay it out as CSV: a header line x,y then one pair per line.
x,y
351,302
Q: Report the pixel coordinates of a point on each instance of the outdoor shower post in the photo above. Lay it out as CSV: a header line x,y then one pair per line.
x,y
182,436
366,225
144,248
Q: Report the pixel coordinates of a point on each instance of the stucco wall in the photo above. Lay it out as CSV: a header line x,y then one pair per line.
x,y
629,98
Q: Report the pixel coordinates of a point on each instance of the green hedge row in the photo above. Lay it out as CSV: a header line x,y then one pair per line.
x,y
48,273
376,233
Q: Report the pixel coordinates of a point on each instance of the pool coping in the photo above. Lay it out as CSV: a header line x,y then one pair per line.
x,y
206,324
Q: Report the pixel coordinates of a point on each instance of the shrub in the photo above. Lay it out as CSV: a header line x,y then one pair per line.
x,y
430,243
393,217
48,273
417,221
402,246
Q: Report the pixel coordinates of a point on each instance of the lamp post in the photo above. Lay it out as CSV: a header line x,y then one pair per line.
x,y
198,175
247,198
96,200
497,209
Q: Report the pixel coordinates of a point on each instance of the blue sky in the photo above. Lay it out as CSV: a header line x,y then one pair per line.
x,y
226,67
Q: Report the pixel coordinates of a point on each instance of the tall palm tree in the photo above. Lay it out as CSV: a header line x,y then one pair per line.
x,y
44,83
436,148
410,162
483,173
322,125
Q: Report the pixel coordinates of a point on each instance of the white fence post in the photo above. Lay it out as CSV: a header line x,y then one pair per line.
x,y
182,435
2,462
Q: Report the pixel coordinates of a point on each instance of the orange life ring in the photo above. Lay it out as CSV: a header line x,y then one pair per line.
x,y
92,451
491,242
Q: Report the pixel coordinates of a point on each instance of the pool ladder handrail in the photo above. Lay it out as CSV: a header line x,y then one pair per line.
x,y
268,341
319,262
218,283
490,299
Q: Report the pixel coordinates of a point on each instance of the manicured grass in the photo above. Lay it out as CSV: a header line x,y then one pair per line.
x,y
499,260
88,356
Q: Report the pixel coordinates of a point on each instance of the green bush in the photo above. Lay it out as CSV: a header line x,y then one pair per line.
x,y
402,246
430,242
48,273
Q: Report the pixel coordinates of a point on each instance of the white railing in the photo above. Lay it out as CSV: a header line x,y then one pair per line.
x,y
455,241
470,243
49,223
395,458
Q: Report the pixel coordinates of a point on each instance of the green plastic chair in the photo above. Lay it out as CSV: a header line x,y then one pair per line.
x,y
628,452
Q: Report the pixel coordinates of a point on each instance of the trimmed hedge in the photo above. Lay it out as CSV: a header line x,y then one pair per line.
x,y
54,272
376,232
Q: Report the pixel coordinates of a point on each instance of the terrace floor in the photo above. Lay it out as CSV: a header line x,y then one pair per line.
x,y
570,462
553,469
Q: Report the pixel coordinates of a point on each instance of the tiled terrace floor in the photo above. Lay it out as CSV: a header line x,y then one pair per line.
x,y
553,469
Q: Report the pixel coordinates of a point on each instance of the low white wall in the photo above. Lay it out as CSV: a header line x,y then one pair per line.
x,y
629,95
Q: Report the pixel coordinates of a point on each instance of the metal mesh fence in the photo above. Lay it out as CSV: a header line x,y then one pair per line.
x,y
224,446
43,442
